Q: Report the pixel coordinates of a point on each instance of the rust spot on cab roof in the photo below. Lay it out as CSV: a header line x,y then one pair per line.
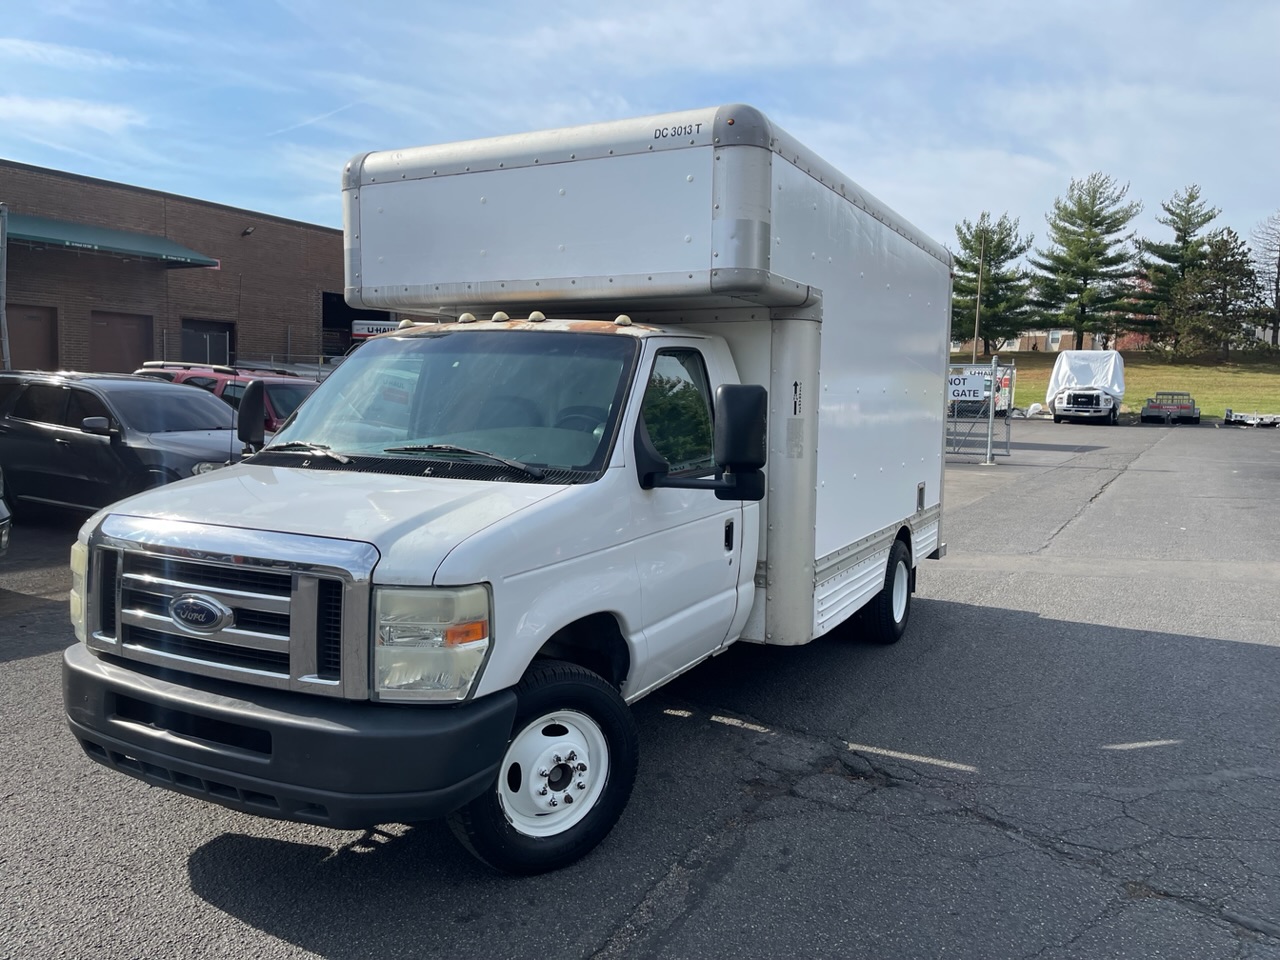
x,y
560,326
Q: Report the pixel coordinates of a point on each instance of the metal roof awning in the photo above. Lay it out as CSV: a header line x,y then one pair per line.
x,y
41,231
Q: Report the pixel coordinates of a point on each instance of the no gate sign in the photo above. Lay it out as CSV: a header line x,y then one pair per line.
x,y
965,388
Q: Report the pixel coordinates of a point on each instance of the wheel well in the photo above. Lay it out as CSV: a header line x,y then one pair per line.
x,y
594,642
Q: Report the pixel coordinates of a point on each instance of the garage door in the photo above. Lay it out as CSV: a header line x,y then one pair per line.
x,y
33,337
118,342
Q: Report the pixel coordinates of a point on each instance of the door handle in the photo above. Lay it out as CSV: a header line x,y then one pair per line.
x,y
728,535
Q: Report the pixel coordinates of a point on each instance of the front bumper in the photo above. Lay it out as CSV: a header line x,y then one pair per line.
x,y
1092,413
284,755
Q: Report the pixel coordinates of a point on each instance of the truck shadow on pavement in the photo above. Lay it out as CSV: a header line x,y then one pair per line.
x,y
31,626
985,729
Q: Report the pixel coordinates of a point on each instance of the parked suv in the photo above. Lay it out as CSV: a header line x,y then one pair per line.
x,y
84,440
284,391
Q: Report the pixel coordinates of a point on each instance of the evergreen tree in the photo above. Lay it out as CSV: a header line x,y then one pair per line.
x,y
1228,292
1004,312
1084,277
1165,267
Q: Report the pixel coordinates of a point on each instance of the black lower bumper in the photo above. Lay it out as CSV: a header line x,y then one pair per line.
x,y
288,756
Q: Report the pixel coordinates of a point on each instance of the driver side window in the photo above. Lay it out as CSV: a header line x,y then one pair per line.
x,y
677,412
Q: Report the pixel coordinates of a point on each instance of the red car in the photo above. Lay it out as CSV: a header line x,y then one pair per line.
x,y
284,392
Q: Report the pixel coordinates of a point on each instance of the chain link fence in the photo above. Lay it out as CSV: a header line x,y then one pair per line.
x,y
979,411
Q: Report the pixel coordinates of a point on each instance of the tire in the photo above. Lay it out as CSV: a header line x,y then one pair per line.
x,y
565,778
1115,417
1057,419
889,611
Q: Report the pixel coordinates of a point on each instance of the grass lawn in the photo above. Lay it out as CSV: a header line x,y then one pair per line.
x,y
1245,384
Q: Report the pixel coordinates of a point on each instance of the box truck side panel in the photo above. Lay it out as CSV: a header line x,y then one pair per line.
x,y
885,305
539,223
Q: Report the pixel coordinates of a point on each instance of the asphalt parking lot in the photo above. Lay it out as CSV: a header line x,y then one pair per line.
x,y
1073,753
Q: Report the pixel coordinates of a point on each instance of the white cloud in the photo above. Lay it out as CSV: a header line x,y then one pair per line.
x,y
23,115
60,56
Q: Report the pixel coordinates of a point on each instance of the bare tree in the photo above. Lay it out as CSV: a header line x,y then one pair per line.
x,y
1266,262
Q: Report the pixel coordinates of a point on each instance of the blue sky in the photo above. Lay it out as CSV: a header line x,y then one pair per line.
x,y
941,109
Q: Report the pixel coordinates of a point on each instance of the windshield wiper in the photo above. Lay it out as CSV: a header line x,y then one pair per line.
x,y
301,446
534,472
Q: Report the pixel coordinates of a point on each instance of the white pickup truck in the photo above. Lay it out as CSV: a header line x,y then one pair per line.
x,y
673,383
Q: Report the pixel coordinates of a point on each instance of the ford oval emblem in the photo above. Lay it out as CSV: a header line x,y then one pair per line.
x,y
195,611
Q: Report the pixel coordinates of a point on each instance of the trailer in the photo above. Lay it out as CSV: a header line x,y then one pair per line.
x,y
1232,419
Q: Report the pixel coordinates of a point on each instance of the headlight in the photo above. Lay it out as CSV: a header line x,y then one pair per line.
x,y
79,572
208,466
1106,400
431,642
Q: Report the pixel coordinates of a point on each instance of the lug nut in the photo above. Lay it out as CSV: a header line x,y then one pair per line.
x,y
542,792
572,756
582,768
544,773
568,798
559,759
553,802
582,785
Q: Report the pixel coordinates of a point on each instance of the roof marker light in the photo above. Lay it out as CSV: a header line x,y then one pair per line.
x,y
500,317
537,316
622,320
405,324
467,318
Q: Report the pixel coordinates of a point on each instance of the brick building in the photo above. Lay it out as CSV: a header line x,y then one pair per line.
x,y
102,276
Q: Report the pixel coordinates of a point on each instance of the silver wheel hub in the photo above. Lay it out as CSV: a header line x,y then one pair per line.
x,y
553,773
901,589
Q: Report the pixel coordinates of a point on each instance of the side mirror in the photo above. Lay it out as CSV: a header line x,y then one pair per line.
x,y
98,426
252,412
742,440
740,445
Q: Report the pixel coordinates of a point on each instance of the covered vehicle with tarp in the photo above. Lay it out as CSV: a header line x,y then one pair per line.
x,y
1086,385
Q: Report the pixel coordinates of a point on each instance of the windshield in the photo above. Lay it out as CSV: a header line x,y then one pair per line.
x,y
167,411
543,398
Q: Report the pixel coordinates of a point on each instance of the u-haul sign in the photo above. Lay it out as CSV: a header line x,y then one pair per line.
x,y
965,388
360,329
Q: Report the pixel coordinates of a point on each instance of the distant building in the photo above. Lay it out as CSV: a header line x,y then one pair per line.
x,y
102,276
1050,341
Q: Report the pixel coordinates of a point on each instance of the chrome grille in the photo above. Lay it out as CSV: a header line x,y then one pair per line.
x,y
291,610
1083,400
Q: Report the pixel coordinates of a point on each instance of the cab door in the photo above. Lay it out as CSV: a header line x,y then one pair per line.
x,y
688,542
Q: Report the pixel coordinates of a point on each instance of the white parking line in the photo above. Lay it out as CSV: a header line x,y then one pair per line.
x,y
1140,745
913,757
734,722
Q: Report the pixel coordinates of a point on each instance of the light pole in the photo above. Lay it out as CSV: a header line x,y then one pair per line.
x,y
977,303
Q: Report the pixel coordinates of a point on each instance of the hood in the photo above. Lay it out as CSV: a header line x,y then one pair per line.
x,y
1087,369
426,517
196,445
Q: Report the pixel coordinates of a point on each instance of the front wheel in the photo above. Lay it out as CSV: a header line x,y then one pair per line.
x,y
565,778
889,610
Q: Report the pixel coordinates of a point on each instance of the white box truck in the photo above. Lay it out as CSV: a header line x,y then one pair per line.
x,y
676,383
